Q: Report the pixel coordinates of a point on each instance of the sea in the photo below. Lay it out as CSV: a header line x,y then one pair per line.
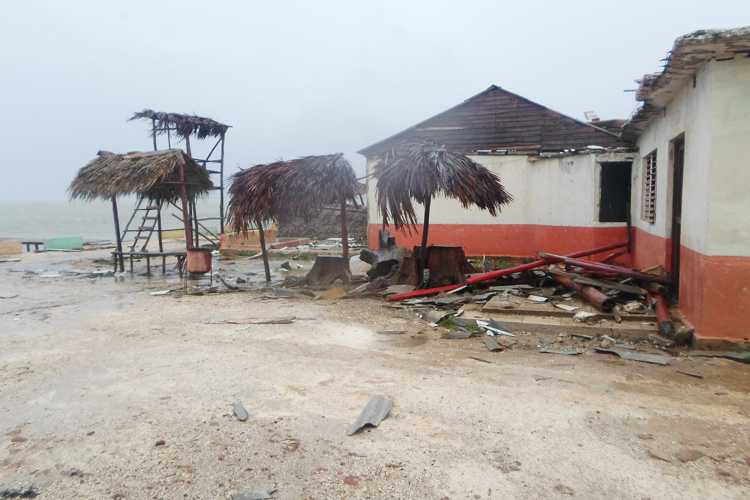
x,y
43,220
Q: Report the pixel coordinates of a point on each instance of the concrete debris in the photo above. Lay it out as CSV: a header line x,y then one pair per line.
x,y
160,292
376,410
459,333
391,332
632,355
634,307
659,340
240,412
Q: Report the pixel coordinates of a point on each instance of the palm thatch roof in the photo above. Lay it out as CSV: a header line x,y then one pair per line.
x,y
154,174
269,191
183,125
419,172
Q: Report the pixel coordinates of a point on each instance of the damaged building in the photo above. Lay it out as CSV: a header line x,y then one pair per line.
x,y
672,179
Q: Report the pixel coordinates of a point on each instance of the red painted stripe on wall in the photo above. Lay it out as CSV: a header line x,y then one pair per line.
x,y
513,240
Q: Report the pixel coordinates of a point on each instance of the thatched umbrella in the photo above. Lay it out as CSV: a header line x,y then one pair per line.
x,y
292,188
166,175
421,171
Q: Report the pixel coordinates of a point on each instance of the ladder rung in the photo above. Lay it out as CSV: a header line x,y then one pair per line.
x,y
149,217
213,171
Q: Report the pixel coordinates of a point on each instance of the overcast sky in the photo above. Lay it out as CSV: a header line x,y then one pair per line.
x,y
306,77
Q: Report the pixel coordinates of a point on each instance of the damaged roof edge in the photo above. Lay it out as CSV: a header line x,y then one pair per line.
x,y
689,53
366,151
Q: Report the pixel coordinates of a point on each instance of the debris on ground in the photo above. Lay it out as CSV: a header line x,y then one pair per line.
x,y
239,411
742,357
376,410
391,332
564,351
273,321
690,373
26,491
688,455
332,293
632,355
491,344
261,494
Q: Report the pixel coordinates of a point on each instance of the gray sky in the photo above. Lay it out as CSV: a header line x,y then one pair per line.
x,y
306,77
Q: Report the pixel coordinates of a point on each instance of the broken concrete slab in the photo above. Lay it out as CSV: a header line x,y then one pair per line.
x,y
631,355
376,410
492,328
434,316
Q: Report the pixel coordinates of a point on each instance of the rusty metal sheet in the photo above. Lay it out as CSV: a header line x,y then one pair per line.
x,y
377,409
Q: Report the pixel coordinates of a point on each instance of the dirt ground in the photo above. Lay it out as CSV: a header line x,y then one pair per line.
x,y
107,391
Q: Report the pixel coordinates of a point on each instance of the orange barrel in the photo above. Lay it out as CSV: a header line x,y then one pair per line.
x,y
199,261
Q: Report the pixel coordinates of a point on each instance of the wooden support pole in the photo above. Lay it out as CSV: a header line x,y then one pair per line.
x,y
118,236
185,210
153,132
221,185
263,250
344,233
422,262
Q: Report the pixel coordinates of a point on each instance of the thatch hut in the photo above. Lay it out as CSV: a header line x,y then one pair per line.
x,y
158,176
293,187
419,172
183,125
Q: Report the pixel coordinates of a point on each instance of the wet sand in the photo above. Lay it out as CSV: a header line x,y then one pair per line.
x,y
94,371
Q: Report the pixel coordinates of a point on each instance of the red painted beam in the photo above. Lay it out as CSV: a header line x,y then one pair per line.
x,y
607,268
478,278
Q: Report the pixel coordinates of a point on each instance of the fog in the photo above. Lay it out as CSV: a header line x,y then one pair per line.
x,y
296,78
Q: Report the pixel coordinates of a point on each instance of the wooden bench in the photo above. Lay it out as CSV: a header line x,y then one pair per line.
x,y
36,244
148,255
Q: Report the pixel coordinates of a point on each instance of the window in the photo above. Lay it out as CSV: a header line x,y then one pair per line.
x,y
614,191
648,190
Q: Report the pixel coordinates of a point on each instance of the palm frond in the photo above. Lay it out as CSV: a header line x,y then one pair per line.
x,y
418,172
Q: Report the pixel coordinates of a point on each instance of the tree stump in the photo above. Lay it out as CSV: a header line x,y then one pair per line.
x,y
447,265
327,269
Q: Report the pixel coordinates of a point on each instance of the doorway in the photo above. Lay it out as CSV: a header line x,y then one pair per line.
x,y
677,148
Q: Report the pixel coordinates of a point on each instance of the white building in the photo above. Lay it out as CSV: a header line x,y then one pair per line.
x,y
683,153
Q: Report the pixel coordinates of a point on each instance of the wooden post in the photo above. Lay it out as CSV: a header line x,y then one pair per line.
x,y
221,185
425,233
185,210
196,234
161,242
262,236
344,233
153,132
118,237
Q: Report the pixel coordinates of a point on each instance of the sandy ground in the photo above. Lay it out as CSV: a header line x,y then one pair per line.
x,y
95,371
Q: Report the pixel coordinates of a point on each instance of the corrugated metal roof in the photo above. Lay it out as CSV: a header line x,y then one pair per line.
x,y
497,119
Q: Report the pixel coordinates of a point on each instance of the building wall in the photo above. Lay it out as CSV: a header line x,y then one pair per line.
x,y
555,208
714,115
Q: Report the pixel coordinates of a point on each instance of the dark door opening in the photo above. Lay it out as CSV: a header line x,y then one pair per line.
x,y
678,166
614,200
